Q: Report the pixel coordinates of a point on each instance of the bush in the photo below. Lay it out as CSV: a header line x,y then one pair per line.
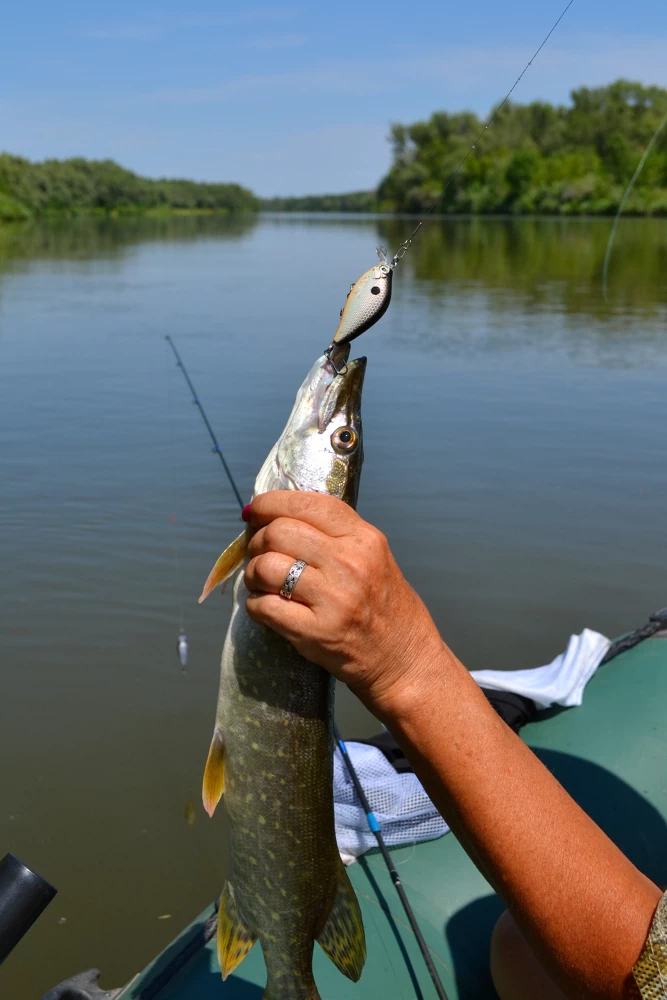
x,y
12,210
79,185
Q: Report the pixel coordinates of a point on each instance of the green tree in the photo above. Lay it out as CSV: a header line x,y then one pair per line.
x,y
79,185
534,157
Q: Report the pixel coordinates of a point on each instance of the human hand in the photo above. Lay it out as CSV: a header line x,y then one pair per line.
x,y
352,610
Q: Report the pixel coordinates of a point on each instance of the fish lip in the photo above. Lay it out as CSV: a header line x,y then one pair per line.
x,y
343,386
352,386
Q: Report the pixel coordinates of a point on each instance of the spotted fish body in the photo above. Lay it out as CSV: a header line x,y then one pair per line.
x,y
273,741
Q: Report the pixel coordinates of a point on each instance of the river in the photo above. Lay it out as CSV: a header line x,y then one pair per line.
x,y
515,430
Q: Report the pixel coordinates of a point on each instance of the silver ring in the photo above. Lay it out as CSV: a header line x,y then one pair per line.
x,y
295,571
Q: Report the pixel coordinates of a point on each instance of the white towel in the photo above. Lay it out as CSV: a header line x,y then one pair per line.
x,y
561,682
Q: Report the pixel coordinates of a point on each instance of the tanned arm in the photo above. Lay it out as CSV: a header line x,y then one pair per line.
x,y
581,904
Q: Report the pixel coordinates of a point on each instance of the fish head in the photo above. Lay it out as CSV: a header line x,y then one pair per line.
x,y
367,301
319,450
321,447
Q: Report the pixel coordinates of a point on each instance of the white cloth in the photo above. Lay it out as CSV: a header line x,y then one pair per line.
x,y
561,682
403,809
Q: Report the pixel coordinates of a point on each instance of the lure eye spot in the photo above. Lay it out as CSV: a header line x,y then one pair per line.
x,y
375,290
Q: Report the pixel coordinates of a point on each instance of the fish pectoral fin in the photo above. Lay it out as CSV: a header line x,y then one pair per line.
x,y
235,939
227,564
343,939
213,784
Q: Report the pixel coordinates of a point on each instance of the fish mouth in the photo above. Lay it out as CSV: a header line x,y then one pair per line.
x,y
344,391
348,395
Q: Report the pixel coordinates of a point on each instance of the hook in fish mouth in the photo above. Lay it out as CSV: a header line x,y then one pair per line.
x,y
337,354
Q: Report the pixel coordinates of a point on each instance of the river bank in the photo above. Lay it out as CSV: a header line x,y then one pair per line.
x,y
79,186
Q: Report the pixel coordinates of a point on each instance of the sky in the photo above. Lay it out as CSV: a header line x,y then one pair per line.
x,y
291,98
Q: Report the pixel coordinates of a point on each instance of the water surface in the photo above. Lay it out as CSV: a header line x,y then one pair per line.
x,y
515,457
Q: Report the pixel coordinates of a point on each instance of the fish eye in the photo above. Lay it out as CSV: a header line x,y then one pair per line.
x,y
375,290
344,440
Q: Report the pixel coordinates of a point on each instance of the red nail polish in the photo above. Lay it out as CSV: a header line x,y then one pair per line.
x,y
245,513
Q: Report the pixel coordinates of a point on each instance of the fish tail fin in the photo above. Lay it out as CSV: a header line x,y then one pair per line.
x,y
213,784
235,938
342,938
226,564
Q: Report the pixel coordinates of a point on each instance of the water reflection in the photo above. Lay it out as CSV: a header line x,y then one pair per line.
x,y
549,262
89,237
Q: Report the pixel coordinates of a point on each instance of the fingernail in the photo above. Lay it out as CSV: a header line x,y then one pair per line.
x,y
245,513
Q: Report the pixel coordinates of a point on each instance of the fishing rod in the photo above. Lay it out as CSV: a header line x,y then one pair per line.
x,y
24,895
216,447
376,830
626,195
373,822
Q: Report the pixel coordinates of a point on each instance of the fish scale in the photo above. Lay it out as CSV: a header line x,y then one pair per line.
x,y
278,779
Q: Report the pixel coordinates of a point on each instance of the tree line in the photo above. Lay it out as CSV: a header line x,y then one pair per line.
x,y
103,186
534,159
354,201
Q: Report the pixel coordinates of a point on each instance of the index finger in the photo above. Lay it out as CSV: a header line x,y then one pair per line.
x,y
330,515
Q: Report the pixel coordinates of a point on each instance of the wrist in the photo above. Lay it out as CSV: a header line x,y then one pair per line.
x,y
409,671
422,687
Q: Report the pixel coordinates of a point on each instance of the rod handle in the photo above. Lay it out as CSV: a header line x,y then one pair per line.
x,y
23,896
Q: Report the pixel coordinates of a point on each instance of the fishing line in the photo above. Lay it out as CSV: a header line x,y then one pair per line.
x,y
182,646
626,195
182,643
404,246
373,822
172,520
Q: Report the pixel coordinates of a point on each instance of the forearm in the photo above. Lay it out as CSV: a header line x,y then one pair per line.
x,y
584,908
582,905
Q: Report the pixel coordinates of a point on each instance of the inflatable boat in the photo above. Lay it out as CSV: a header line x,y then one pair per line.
x,y
610,754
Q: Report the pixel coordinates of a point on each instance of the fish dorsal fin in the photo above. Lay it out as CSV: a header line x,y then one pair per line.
x,y
227,564
342,938
214,773
235,939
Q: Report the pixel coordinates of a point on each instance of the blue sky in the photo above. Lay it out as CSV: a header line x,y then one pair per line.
x,y
290,99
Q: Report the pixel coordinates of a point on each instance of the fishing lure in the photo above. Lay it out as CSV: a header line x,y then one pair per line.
x,y
182,649
367,301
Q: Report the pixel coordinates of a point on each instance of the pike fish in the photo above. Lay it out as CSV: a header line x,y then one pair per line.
x,y
272,747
